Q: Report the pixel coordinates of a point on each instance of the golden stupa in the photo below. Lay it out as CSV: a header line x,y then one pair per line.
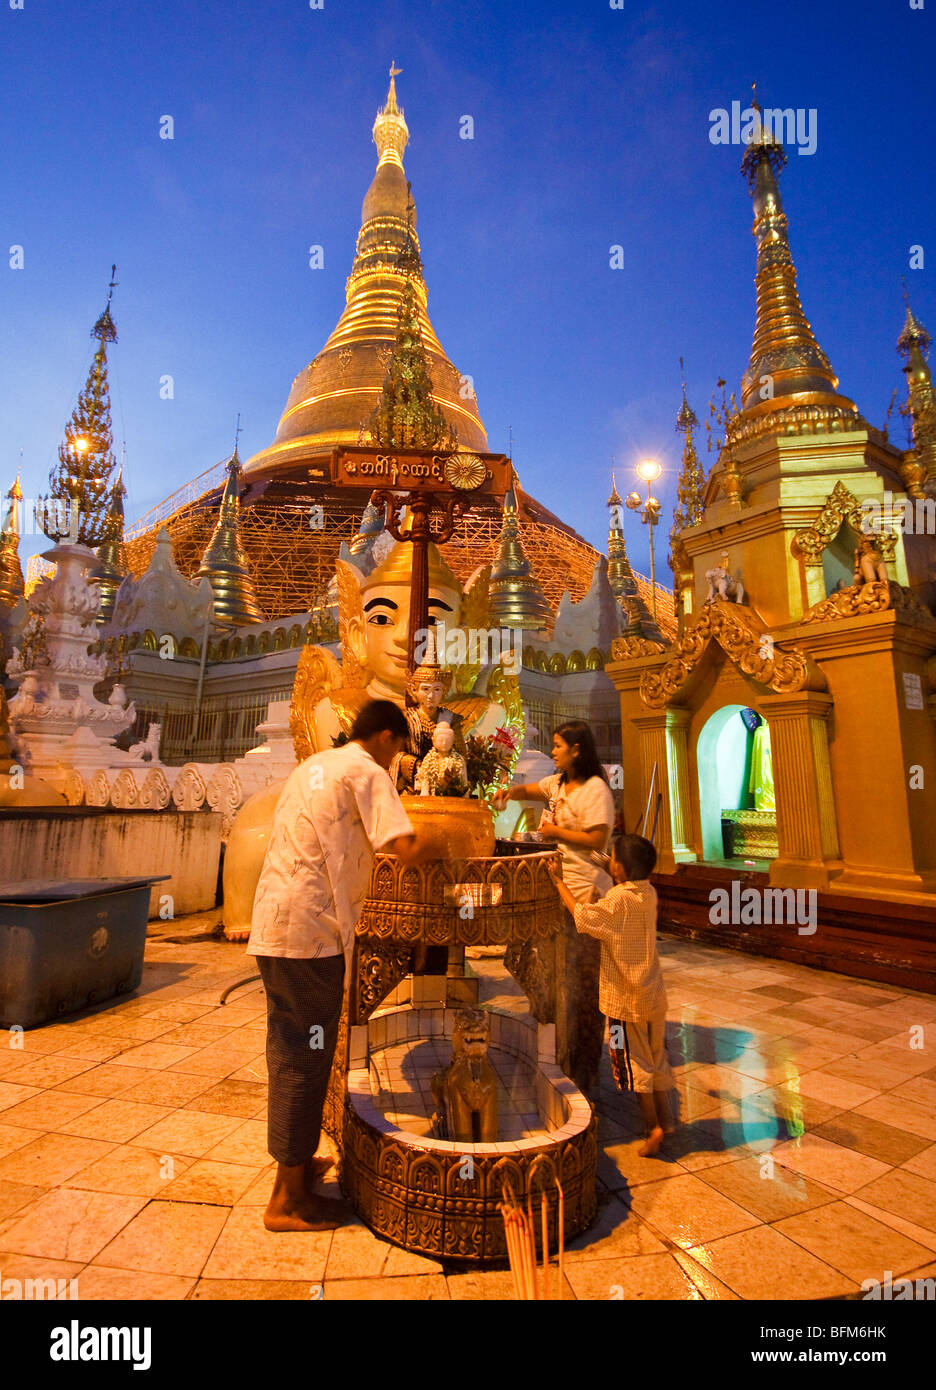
x,y
331,400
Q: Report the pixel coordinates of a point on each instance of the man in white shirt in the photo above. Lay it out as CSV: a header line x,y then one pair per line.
x,y
338,808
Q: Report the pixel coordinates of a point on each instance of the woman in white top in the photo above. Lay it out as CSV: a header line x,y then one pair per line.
x,y
580,814
578,820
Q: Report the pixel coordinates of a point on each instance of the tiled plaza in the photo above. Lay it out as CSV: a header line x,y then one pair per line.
x,y
133,1146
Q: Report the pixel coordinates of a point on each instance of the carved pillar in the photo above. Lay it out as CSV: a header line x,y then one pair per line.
x,y
660,734
807,830
678,720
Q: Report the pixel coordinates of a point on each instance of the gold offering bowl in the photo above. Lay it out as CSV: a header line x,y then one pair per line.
x,y
463,825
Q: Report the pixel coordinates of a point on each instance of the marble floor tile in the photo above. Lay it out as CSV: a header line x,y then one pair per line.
x,y
867,1072
11,1094
15,1196
253,1290
130,1170
46,1071
104,1081
922,1163
98,1283
869,1136
834,1166
769,1191
70,1225
49,1110
166,1088
166,1238
187,1132
906,1194
355,1252
243,1099
687,1211
14,1137
636,1277
246,1250
119,1120
761,1263
246,1143
415,1288
52,1159
617,1231
209,1181
852,1242
154,1055
890,1109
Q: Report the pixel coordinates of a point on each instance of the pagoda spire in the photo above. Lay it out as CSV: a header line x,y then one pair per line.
x,y
85,457
373,521
224,562
12,586
919,468
112,568
786,360
620,575
406,416
390,132
689,489
515,596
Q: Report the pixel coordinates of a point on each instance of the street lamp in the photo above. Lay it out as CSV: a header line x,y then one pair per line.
x,y
648,471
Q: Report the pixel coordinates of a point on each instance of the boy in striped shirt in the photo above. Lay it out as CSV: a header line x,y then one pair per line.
x,y
631,991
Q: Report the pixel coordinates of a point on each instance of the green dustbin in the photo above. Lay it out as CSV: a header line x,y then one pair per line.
x,y
70,943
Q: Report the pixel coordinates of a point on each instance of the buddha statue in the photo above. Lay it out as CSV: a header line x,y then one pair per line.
x,y
373,622
425,690
443,771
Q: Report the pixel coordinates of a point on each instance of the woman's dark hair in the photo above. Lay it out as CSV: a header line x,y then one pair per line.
x,y
587,763
636,855
377,716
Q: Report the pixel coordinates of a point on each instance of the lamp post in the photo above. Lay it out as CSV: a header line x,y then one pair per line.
x,y
648,471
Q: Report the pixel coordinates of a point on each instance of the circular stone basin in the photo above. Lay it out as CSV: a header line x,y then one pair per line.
x,y
441,1198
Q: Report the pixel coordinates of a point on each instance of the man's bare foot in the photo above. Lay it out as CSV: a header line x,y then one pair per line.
x,y
652,1143
306,1213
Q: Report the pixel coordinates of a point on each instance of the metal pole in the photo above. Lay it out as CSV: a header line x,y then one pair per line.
x,y
650,523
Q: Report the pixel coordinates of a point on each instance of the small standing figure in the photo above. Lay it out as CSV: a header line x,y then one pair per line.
x,y
443,770
425,689
869,562
723,584
466,1092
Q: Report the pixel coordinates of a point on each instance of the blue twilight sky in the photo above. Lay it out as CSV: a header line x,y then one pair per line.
x,y
591,130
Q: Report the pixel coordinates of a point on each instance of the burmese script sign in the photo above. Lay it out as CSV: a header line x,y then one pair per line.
x,y
417,470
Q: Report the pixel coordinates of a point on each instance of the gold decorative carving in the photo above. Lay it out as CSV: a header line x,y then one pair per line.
x,y
876,597
839,506
317,672
745,639
625,648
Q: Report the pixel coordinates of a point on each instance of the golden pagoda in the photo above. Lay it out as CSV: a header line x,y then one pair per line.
x,y
224,562
919,467
516,599
330,404
12,586
807,649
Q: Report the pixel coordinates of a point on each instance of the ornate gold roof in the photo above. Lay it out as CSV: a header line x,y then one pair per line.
x,y
336,393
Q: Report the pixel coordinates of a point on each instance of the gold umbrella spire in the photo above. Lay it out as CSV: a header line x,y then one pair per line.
x,y
224,562
515,596
620,575
689,489
78,486
12,586
391,132
786,360
112,567
919,470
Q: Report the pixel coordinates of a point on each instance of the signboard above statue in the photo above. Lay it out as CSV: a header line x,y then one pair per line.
x,y
419,470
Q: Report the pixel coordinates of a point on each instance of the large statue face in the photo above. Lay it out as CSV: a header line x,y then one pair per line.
x,y
379,635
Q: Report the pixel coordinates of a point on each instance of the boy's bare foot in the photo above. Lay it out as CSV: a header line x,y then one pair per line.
x,y
286,1213
316,1168
652,1143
